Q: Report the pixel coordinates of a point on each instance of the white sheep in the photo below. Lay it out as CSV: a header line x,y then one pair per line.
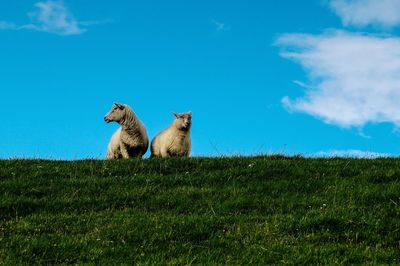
x,y
175,139
130,140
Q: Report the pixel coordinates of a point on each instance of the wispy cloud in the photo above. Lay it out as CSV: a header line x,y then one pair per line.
x,y
52,17
362,13
353,79
7,25
351,154
219,26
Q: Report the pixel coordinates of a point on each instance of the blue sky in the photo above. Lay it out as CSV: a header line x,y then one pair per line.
x,y
313,77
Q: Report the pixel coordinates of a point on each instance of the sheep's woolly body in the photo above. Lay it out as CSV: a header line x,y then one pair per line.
x,y
130,140
173,141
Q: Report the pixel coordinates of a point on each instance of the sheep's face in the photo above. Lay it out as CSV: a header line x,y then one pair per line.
x,y
183,121
116,114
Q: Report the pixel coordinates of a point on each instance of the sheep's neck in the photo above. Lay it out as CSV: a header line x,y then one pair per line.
x,y
182,133
129,124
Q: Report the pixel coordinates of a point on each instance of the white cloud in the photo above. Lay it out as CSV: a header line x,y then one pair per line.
x,y
354,79
367,12
219,26
52,17
351,154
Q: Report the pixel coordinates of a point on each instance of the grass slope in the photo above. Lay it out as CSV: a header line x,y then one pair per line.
x,y
203,211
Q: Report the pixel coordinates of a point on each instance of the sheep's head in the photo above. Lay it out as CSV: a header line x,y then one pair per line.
x,y
116,114
183,121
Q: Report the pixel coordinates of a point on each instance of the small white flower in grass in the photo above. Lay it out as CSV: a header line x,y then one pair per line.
x,y
251,165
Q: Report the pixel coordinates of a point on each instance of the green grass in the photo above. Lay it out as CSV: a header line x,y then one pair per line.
x,y
257,210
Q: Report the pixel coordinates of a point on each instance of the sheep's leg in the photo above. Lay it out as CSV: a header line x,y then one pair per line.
x,y
112,153
155,153
124,152
164,152
114,146
110,156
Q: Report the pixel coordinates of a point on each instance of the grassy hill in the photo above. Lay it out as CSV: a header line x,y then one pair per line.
x,y
200,211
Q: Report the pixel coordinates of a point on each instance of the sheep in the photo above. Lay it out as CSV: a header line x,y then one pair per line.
x,y
175,139
130,140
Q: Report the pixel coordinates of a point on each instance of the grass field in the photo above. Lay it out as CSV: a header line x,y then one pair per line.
x,y
255,210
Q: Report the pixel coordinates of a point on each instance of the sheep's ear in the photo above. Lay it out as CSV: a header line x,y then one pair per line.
x,y
120,106
175,114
